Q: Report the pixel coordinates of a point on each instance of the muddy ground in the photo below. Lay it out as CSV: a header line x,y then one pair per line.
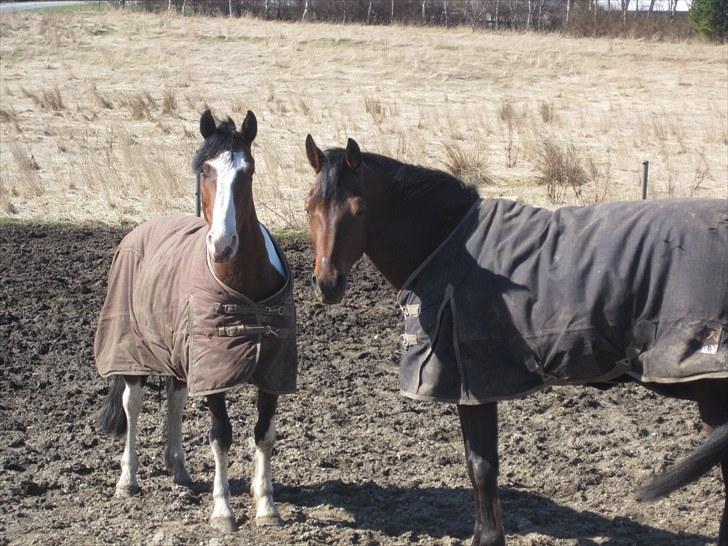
x,y
355,463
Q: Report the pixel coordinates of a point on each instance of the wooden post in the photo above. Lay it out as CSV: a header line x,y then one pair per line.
x,y
198,206
645,169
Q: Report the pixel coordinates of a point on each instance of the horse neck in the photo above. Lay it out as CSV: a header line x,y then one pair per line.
x,y
250,271
400,236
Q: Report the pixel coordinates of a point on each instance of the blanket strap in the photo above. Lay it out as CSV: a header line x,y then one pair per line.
x,y
252,330
410,310
235,309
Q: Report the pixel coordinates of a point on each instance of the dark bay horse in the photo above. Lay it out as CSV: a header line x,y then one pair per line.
x,y
531,297
207,303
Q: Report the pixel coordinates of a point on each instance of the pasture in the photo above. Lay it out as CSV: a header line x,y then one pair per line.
x,y
98,112
98,121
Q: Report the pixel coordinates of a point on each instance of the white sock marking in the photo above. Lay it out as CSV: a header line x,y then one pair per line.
x,y
262,485
132,400
221,488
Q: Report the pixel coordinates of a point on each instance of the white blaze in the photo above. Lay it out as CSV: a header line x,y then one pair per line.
x,y
223,231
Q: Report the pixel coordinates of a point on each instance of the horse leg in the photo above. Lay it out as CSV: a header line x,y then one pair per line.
x,y
712,397
175,455
261,488
221,437
132,401
480,434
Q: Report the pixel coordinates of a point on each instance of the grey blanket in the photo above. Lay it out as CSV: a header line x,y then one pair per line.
x,y
520,297
167,314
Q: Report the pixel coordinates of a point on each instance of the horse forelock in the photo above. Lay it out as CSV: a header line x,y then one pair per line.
x,y
221,140
331,173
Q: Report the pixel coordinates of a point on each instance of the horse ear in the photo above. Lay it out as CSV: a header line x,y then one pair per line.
x,y
250,127
315,156
352,154
207,124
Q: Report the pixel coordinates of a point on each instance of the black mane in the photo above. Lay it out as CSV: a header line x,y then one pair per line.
x,y
219,141
411,182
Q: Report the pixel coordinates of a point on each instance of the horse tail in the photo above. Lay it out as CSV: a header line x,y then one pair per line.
x,y
112,419
700,461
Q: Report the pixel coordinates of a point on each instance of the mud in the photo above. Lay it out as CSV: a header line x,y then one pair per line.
x,y
355,463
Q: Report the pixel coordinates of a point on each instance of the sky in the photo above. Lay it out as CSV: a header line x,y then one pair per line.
x,y
682,5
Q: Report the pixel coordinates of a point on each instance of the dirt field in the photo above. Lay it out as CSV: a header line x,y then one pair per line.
x,y
355,463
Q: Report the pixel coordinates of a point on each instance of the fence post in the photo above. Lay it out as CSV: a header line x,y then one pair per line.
x,y
197,195
645,168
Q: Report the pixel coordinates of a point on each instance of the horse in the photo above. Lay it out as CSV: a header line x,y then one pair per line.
x,y
501,299
207,303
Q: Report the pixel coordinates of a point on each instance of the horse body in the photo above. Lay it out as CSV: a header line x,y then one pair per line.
x,y
400,214
210,308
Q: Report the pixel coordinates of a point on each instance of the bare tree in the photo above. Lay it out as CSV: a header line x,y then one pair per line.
x,y
230,8
497,15
651,8
672,6
444,11
568,11
625,7
369,13
424,11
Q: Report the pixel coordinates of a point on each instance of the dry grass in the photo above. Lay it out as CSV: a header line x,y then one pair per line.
x,y
109,104
470,165
560,169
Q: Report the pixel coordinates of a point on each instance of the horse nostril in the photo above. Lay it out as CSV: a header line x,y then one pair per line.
x,y
313,280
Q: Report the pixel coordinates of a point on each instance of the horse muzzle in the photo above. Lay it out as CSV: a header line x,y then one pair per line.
x,y
222,248
331,289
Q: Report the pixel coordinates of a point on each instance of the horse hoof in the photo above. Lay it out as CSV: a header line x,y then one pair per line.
x,y
125,491
269,521
183,480
224,525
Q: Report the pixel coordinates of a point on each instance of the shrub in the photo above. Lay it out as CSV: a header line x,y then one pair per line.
x,y
710,17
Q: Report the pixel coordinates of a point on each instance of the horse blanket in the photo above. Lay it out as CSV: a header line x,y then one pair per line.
x,y
518,298
167,314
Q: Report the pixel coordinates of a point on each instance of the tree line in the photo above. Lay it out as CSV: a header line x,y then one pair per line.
x,y
652,18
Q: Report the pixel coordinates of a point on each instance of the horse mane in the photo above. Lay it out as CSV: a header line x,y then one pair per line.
x,y
411,182
219,141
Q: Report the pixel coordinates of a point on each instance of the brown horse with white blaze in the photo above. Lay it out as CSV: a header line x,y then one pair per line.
x,y
207,303
497,304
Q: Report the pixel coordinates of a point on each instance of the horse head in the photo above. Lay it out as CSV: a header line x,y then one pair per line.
x,y
336,208
226,167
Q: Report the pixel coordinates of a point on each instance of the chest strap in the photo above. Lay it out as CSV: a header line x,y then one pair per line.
x,y
252,330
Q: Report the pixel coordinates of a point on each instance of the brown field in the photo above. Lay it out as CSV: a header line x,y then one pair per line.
x,y
99,111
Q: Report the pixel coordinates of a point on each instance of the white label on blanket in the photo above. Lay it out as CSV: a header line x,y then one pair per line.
x,y
711,341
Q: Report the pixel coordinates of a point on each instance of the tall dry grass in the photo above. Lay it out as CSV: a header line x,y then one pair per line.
x,y
109,104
